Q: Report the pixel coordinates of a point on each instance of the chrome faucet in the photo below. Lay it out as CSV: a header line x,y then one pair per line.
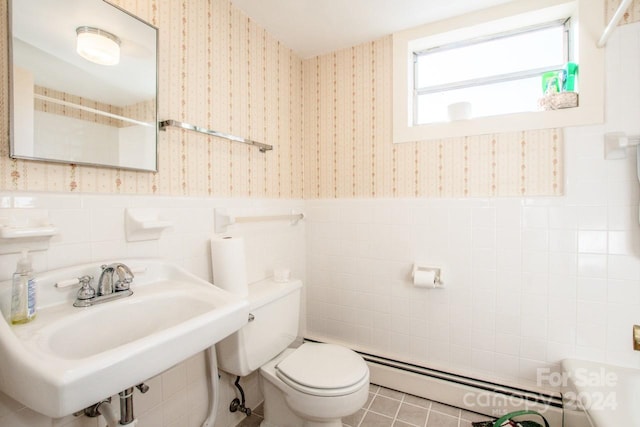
x,y
114,283
106,283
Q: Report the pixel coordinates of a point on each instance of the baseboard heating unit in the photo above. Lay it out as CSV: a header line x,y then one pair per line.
x,y
472,394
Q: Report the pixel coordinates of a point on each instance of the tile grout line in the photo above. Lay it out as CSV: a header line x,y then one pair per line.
x,y
395,417
403,401
460,418
426,422
368,406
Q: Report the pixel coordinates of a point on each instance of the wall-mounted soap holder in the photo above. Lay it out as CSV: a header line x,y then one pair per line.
x,y
144,224
25,228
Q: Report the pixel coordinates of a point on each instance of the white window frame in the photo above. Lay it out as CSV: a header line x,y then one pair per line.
x,y
588,21
424,90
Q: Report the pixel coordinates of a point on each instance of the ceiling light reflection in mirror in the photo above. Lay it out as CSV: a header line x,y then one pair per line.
x,y
98,46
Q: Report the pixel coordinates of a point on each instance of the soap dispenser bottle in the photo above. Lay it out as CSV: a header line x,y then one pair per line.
x,y
23,295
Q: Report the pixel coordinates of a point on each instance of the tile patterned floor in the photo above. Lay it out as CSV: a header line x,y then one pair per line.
x,y
390,408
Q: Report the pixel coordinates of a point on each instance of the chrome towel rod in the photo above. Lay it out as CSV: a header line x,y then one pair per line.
x,y
262,147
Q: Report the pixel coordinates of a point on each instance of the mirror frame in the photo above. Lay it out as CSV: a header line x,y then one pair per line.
x,y
9,21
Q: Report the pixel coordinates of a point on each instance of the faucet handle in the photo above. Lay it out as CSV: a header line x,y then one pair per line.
x,y
125,277
86,290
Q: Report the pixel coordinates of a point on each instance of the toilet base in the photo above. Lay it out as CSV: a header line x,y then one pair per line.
x,y
278,414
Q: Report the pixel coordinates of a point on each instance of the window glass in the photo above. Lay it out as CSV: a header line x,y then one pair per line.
x,y
498,75
486,100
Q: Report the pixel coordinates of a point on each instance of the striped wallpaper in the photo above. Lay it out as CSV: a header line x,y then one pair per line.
x,y
632,14
328,118
350,153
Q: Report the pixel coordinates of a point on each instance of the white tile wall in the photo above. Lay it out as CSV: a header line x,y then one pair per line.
x,y
527,284
529,281
92,230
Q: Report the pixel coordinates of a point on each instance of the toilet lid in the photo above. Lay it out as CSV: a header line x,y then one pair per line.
x,y
322,366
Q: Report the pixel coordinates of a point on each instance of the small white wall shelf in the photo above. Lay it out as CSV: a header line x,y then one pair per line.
x,y
144,224
25,228
616,144
224,220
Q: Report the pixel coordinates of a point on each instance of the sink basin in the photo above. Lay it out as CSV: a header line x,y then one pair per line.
x,y
69,358
609,394
76,336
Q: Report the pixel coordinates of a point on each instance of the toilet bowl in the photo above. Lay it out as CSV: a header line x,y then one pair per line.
x,y
314,385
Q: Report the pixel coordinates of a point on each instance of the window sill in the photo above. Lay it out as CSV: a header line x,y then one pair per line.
x,y
576,116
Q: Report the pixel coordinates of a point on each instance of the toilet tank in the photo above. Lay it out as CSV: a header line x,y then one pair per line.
x,y
275,309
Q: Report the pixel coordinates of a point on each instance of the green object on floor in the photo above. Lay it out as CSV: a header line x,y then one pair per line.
x,y
508,420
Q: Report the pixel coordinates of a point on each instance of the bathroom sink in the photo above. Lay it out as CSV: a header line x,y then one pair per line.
x,y
609,394
69,358
77,337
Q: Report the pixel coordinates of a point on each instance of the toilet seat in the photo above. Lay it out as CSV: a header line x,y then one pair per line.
x,y
323,370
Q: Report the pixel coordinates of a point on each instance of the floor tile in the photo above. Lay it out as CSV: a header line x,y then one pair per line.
x,y
391,408
418,401
445,409
394,394
369,399
412,414
376,420
437,419
252,421
473,416
385,406
354,419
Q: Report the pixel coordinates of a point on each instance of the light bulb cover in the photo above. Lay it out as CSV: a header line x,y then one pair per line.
x,y
98,46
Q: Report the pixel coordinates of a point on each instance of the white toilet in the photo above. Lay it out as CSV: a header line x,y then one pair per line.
x,y
314,385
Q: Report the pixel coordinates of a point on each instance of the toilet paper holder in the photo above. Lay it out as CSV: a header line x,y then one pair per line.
x,y
437,281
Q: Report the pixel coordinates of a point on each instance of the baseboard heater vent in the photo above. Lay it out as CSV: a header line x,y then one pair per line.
x,y
472,394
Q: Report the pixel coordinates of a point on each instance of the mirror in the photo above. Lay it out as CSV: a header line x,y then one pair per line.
x,y
65,108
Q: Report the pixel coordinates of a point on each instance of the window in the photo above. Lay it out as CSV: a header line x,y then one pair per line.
x,y
496,74
540,32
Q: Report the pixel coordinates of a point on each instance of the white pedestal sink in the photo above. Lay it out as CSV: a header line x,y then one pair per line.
x,y
69,358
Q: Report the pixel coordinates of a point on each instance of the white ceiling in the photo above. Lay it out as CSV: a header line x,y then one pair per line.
x,y
315,27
